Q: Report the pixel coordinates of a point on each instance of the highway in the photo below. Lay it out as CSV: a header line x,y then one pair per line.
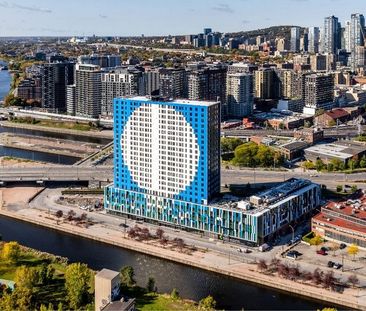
x,y
228,176
56,173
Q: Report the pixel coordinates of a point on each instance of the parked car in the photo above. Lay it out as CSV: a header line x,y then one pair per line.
x,y
321,252
264,247
330,264
325,249
296,253
342,246
291,256
337,266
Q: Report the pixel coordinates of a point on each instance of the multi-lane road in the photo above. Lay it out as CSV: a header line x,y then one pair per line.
x,y
228,176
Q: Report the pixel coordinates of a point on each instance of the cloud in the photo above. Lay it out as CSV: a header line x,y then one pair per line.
x,y
7,5
102,16
223,7
245,21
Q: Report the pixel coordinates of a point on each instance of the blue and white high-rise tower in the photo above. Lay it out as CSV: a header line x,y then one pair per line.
x,y
167,149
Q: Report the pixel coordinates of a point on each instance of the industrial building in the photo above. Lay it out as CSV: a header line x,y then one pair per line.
x,y
340,150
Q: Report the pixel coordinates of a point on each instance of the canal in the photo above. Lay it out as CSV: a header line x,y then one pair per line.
x,y
191,283
5,80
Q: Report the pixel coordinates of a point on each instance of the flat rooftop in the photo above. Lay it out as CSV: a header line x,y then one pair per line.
x,y
173,101
341,149
107,274
263,201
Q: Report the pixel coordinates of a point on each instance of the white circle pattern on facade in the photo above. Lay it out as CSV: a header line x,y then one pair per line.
x,y
160,149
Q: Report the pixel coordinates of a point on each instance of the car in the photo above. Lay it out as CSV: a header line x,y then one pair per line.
x,y
325,249
321,252
342,246
337,266
330,264
290,255
297,253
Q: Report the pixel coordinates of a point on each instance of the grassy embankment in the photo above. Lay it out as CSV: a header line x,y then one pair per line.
x,y
56,124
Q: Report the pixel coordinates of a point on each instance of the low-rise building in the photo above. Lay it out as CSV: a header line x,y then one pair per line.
x,y
293,150
340,150
343,221
332,117
310,135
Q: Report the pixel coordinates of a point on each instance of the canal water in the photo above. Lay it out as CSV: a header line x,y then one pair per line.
x,y
5,80
191,283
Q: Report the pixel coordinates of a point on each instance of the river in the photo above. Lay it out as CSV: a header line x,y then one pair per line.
x,y
191,283
5,80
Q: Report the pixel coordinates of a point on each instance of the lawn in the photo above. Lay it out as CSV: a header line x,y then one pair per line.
x,y
158,302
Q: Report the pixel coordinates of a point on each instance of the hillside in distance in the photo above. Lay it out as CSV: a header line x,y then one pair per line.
x,y
270,32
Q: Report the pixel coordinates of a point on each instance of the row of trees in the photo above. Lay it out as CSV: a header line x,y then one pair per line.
x,y
335,165
317,277
144,234
252,155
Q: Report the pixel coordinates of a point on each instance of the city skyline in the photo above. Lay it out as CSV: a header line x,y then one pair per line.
x,y
51,18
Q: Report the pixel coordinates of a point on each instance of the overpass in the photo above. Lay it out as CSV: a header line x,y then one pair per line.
x,y
104,174
56,173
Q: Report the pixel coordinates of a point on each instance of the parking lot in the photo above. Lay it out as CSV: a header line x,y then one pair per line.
x,y
331,252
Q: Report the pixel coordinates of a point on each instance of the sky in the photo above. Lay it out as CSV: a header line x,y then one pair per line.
x,y
163,17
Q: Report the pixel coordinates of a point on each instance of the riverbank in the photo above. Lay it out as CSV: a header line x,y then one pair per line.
x,y
48,145
105,134
210,260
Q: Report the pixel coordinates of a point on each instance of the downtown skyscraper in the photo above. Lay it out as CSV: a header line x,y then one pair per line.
x,y
331,36
356,38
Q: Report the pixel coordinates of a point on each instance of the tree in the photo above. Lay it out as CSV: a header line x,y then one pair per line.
x,y
174,294
329,279
317,240
317,278
339,188
11,252
59,214
77,283
337,164
25,280
354,188
159,233
308,165
363,162
179,243
127,276
150,286
7,302
353,250
353,280
319,165
207,303
228,144
70,215
352,164
262,265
